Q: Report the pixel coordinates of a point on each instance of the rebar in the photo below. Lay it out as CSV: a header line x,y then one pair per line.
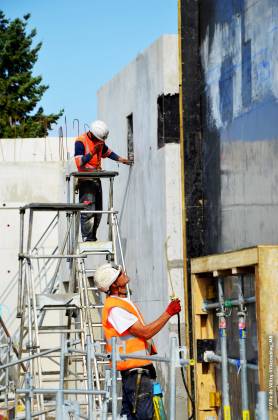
x,y
77,120
21,241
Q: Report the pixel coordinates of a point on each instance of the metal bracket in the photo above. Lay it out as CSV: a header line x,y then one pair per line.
x,y
182,356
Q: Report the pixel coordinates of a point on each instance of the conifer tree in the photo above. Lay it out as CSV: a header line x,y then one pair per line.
x,y
20,91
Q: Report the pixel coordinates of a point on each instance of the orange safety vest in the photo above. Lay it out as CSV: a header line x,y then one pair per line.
x,y
91,146
126,342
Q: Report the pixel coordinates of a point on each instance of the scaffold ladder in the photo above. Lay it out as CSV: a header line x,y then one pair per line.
x,y
61,325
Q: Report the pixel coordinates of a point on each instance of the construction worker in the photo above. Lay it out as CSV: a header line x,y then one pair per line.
x,y
122,319
90,148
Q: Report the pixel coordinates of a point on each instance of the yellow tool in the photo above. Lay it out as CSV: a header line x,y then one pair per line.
x,y
173,295
159,411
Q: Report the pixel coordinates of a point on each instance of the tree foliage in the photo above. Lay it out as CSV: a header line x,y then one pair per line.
x,y
20,91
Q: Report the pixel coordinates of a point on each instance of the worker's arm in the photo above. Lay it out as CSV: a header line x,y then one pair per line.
x,y
79,150
124,161
149,330
106,152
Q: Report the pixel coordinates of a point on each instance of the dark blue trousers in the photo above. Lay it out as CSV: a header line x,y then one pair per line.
x,y
90,192
144,406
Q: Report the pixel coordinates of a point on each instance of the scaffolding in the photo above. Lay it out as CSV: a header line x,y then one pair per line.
x,y
62,370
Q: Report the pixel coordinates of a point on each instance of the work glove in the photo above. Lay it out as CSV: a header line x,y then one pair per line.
x,y
174,307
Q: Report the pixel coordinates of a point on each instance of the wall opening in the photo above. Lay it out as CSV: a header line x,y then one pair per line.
x,y
168,125
130,143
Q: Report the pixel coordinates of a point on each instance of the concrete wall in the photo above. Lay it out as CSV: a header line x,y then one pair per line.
x,y
229,62
148,193
31,171
239,63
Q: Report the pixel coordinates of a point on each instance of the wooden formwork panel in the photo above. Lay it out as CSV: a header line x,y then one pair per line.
x,y
260,262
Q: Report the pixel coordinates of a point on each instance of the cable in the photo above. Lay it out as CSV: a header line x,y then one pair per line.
x,y
182,375
179,334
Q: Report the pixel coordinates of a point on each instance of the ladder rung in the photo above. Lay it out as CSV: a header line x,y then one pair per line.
x,y
61,331
57,354
52,327
93,324
66,380
51,372
98,252
62,308
96,248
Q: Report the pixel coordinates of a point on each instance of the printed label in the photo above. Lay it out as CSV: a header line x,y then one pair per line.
x,y
242,333
222,332
242,325
222,323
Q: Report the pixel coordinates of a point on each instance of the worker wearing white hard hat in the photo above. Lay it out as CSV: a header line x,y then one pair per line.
x,y
90,149
122,319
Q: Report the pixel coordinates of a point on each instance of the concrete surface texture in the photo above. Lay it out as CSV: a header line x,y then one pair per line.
x,y
239,136
239,63
31,171
148,194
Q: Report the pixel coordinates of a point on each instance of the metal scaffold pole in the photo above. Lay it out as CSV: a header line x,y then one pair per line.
x,y
242,353
224,355
172,376
114,380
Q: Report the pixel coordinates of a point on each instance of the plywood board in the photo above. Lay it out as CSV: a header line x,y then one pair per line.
x,y
228,260
267,324
263,260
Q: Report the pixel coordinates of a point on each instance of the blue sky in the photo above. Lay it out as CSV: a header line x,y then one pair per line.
x,y
85,43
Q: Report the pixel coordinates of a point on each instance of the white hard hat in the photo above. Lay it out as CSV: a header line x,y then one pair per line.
x,y
105,275
99,130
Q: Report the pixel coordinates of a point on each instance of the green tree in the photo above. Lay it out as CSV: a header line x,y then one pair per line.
x,y
20,91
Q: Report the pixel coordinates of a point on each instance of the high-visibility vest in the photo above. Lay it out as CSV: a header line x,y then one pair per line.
x,y
91,146
126,342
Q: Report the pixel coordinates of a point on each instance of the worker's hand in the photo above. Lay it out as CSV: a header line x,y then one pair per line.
x,y
125,161
174,307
